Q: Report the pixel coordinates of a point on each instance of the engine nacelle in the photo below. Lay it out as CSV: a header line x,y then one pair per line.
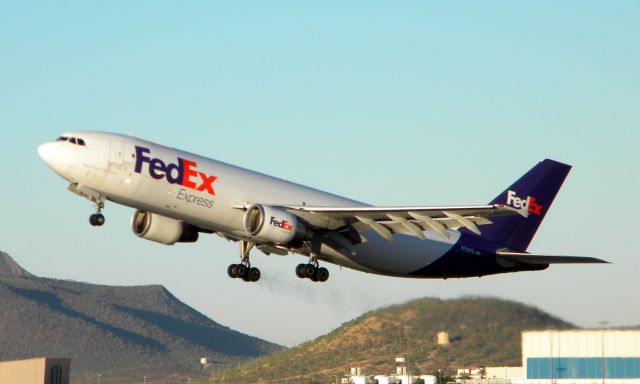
x,y
274,225
162,229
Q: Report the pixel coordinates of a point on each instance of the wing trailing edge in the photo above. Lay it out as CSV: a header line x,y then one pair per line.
x,y
409,220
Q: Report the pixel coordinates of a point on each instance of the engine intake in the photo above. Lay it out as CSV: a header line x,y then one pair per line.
x,y
162,229
274,225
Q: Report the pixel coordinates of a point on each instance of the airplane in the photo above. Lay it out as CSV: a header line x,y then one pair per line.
x,y
179,195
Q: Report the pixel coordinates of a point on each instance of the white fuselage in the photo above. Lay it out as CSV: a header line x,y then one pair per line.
x,y
213,195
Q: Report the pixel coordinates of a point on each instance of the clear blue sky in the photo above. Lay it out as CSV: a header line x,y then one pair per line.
x,y
387,102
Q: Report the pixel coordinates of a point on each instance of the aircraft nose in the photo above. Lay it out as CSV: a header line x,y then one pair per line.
x,y
53,155
46,152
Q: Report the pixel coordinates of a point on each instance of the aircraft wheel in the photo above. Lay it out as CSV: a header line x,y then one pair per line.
x,y
322,274
97,219
253,274
242,271
299,271
309,271
232,271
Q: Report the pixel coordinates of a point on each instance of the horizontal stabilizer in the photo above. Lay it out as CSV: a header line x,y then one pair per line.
x,y
528,258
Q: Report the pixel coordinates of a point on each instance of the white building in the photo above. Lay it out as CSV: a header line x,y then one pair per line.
x,y
43,370
511,373
581,357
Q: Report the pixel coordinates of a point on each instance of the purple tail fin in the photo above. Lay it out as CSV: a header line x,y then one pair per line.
x,y
533,193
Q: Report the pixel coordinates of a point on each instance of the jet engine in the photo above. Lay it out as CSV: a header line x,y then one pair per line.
x,y
162,229
274,225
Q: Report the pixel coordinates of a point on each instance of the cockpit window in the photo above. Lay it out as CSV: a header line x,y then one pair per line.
x,y
72,140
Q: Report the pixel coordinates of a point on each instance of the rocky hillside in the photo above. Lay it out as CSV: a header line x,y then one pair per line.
x,y
112,331
482,331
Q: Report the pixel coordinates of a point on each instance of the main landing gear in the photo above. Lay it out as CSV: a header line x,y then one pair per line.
x,y
244,270
312,272
97,219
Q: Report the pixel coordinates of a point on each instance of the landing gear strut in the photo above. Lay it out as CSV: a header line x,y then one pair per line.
x,y
244,270
97,219
312,270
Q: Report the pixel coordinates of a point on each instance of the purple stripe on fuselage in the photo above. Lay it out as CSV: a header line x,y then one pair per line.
x,y
471,256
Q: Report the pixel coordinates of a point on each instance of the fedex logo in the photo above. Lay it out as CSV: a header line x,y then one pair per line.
x,y
283,224
529,204
185,172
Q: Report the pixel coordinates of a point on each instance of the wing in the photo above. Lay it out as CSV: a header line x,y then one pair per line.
x,y
528,258
408,220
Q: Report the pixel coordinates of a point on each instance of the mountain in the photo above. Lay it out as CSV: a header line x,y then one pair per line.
x,y
482,332
115,332
9,267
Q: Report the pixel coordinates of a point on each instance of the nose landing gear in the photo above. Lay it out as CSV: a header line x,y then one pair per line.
x,y
97,219
98,199
244,270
